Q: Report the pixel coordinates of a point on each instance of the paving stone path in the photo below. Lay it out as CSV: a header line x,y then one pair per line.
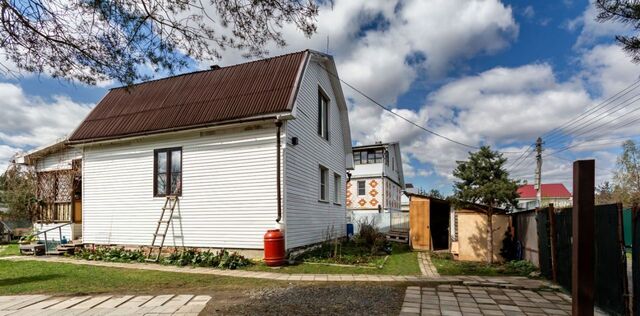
x,y
426,266
463,300
505,281
186,305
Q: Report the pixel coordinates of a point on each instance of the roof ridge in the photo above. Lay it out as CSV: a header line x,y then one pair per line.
x,y
207,70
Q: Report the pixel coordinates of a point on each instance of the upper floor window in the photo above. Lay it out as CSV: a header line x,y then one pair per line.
x,y
167,177
323,115
363,157
324,185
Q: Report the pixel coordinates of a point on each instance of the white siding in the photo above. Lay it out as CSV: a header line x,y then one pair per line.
x,y
70,232
228,199
60,160
307,219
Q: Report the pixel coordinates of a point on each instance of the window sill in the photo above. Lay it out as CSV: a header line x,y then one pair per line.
x,y
323,201
338,204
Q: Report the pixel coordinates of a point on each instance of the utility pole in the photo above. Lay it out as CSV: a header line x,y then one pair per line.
x,y
538,180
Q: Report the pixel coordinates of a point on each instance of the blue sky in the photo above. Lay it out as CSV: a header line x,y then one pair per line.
x,y
480,72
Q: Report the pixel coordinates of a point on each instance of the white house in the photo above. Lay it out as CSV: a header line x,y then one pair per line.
x,y
241,146
375,187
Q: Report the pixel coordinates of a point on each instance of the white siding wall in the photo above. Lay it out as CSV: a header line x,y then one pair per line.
x,y
228,199
60,160
70,232
306,218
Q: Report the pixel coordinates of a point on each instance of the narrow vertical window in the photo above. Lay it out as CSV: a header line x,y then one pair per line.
x,y
323,115
337,188
167,172
324,172
361,188
356,157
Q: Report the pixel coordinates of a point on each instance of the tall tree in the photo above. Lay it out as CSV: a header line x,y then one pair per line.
x,y
626,178
18,193
95,40
605,193
627,12
485,182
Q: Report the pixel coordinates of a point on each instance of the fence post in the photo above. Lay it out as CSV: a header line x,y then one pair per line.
x,y
582,276
623,261
552,240
634,259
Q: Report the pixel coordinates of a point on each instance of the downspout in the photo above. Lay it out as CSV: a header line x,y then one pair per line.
x,y
278,171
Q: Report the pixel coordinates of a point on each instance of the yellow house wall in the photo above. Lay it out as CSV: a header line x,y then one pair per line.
x,y
472,235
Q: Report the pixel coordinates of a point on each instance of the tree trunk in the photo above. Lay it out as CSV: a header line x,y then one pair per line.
x,y
490,237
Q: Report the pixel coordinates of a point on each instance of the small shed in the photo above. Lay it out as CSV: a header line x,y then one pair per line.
x,y
470,234
428,222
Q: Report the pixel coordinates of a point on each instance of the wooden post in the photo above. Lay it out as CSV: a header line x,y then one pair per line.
x,y
634,260
582,288
554,243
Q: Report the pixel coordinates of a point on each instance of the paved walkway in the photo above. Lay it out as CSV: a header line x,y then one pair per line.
x,y
471,300
187,305
503,281
426,266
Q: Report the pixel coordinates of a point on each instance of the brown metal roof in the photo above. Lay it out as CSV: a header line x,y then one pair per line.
x,y
196,99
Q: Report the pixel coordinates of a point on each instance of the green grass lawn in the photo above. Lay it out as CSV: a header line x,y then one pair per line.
x,y
9,250
447,266
402,261
19,277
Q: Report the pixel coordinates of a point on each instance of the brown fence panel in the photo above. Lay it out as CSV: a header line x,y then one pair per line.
x,y
544,244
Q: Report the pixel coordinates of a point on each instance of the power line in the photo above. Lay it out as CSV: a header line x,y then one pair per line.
x,y
602,104
396,114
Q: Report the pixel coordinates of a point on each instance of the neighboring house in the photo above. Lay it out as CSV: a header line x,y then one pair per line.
x,y
228,142
469,234
377,181
555,193
58,168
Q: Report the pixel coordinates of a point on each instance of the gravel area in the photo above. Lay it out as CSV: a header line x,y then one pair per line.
x,y
320,299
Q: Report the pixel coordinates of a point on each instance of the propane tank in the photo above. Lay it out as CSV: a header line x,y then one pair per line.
x,y
274,248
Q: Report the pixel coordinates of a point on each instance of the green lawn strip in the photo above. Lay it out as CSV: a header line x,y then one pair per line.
x,y
21,277
401,262
447,266
9,250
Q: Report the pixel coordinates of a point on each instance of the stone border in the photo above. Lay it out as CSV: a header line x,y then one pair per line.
x,y
426,266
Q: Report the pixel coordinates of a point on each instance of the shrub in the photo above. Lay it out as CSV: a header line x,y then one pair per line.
x,y
370,237
219,259
112,254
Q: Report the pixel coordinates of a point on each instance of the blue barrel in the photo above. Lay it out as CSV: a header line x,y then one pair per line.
x,y
349,230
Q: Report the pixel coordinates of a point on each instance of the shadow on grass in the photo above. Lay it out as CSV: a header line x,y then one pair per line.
x,y
28,279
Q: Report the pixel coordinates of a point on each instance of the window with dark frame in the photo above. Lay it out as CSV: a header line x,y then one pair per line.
x,y
361,188
323,115
337,188
324,175
167,178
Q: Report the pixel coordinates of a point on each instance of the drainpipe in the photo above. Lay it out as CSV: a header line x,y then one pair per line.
x,y
278,171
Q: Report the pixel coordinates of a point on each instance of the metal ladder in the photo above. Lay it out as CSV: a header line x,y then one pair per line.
x,y
170,205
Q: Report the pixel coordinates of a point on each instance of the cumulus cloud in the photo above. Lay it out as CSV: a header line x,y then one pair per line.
x,y
30,121
592,30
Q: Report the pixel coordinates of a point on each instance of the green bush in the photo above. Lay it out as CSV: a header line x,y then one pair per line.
x,y
112,254
219,259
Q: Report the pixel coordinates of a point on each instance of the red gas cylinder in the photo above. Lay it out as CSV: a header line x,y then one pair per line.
x,y
274,248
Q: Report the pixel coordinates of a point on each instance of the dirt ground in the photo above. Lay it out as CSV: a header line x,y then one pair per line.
x,y
309,299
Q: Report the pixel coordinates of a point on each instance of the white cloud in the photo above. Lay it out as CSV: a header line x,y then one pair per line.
x,y
30,121
591,30
529,12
